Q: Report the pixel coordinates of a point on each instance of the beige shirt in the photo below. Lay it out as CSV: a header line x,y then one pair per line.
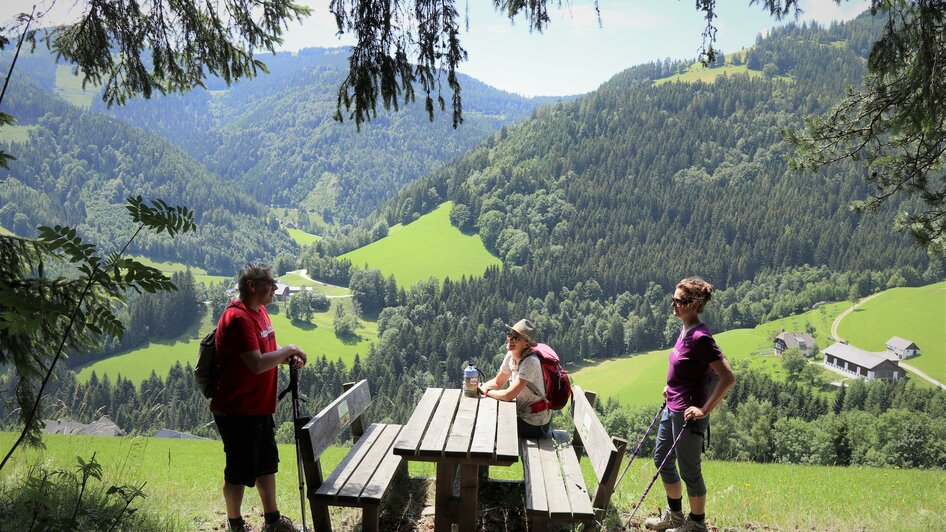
x,y
529,369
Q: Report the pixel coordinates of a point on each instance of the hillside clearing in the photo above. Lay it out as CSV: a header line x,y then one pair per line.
x,y
428,247
918,314
317,338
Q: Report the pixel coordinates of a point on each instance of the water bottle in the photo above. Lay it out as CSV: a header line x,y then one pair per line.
x,y
470,380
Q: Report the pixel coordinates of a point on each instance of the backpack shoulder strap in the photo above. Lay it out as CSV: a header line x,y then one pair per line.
x,y
540,391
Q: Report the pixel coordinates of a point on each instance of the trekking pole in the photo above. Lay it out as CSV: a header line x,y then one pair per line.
x,y
640,444
294,388
662,463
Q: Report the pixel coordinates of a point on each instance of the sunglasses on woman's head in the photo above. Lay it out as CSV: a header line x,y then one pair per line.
x,y
513,336
682,302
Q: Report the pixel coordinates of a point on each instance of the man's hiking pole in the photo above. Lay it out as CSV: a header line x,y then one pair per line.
x,y
662,463
297,424
640,444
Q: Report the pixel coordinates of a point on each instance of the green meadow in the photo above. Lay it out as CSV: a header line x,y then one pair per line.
x,y
69,87
184,477
5,231
428,247
917,314
698,72
643,375
200,274
16,133
302,238
317,338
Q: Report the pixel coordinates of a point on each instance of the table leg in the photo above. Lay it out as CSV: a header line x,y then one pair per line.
x,y
444,490
469,483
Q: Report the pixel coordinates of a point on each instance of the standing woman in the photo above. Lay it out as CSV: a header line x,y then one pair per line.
x,y
523,372
693,359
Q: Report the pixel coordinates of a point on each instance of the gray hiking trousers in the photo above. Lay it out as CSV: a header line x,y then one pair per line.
x,y
688,452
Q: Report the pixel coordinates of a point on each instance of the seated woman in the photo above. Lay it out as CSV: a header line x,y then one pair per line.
x,y
523,372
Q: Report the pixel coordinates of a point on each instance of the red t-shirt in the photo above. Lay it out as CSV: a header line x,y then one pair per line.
x,y
239,390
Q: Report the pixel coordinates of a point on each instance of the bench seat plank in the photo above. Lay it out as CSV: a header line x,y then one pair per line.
x,y
536,503
555,493
336,481
364,474
578,496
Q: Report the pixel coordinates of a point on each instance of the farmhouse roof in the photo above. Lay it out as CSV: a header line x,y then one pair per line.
x,y
796,339
900,343
864,359
101,427
168,433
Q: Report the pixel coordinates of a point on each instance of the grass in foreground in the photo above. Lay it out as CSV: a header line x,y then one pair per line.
x,y
184,479
918,314
428,247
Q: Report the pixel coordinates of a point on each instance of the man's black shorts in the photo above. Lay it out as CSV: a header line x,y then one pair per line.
x,y
250,445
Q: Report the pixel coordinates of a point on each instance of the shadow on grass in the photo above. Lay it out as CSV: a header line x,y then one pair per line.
x,y
350,339
304,325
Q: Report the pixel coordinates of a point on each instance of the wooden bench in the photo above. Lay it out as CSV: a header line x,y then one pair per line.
x,y
364,475
555,489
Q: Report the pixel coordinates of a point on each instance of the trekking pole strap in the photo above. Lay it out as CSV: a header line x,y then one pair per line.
x,y
640,444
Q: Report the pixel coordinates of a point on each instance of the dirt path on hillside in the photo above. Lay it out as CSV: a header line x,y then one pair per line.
x,y
305,275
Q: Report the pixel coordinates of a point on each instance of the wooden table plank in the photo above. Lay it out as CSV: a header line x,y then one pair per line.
x,y
559,505
484,438
461,432
409,439
507,441
439,426
362,476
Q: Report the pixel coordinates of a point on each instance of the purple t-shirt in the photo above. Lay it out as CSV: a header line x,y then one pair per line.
x,y
690,370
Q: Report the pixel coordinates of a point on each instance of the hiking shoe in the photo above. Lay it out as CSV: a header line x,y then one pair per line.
x,y
284,524
244,527
668,520
690,526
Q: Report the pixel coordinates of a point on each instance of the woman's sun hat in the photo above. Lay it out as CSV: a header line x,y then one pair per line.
x,y
526,329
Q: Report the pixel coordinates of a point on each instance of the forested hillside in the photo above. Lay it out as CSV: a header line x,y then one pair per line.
x,y
635,183
78,167
274,135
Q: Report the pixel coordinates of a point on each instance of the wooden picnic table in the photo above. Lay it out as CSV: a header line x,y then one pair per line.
x,y
455,431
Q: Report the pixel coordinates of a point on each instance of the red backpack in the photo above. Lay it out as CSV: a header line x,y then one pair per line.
x,y
558,389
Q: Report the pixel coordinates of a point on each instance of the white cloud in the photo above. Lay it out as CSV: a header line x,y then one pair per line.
x,y
827,11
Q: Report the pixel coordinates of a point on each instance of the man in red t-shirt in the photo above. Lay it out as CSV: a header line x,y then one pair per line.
x,y
245,397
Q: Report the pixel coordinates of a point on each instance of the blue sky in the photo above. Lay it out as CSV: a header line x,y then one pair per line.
x,y
574,55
